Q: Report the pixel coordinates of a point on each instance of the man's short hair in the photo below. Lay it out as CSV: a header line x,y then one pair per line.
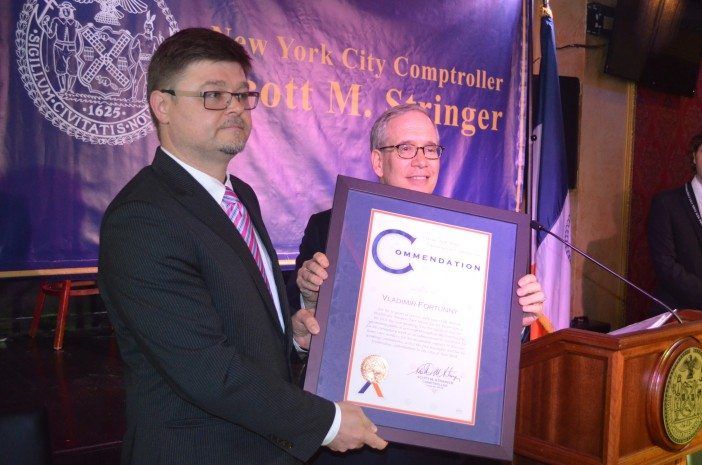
x,y
378,133
190,46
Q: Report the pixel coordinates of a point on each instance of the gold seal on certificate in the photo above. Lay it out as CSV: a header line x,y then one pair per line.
x,y
374,369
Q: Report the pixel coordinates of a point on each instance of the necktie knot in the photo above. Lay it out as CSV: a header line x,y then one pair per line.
x,y
235,210
229,196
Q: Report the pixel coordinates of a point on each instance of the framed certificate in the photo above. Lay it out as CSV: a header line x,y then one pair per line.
x,y
419,318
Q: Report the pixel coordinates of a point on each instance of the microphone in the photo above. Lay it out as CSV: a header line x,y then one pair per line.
x,y
539,227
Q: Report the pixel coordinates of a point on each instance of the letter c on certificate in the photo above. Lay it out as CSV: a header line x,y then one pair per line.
x,y
376,258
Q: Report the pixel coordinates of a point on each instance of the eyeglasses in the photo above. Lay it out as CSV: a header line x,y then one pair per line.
x,y
409,151
219,99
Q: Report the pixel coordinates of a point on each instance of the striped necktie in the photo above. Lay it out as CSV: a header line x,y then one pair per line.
x,y
237,213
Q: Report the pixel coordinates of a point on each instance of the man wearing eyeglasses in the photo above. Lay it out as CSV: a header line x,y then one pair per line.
x,y
192,285
405,152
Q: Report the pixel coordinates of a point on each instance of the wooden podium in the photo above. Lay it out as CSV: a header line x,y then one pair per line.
x,y
588,398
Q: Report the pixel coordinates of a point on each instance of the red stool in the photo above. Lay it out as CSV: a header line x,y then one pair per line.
x,y
65,290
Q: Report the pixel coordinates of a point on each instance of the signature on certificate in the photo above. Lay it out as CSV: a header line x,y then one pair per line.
x,y
430,370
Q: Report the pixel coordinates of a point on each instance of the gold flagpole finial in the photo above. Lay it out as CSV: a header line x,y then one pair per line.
x,y
546,9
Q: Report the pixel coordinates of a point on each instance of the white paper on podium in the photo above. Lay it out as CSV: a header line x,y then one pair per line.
x,y
649,323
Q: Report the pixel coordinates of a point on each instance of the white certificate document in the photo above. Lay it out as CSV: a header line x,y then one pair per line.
x,y
419,319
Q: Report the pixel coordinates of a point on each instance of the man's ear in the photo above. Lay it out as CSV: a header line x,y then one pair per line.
x,y
377,162
160,103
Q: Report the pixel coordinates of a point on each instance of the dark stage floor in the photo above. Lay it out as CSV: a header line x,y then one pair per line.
x,y
80,386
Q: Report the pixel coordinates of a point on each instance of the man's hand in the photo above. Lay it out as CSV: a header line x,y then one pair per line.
x,y
304,325
531,298
356,430
310,276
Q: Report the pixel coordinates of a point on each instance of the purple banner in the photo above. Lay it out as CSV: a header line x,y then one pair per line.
x,y
75,126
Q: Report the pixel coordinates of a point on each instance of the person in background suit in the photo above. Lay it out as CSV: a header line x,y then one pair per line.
x,y
675,239
193,288
405,152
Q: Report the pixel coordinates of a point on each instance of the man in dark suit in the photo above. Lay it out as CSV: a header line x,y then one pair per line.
x,y
675,239
405,152
193,288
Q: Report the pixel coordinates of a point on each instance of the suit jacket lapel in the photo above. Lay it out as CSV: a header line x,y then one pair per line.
x,y
194,198
692,210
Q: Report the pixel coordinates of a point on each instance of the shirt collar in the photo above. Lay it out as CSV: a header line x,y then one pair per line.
x,y
697,189
213,186
696,184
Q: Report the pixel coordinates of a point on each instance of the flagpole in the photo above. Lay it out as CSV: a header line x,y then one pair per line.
x,y
529,178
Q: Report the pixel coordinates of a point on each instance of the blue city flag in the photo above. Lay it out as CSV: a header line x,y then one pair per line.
x,y
549,187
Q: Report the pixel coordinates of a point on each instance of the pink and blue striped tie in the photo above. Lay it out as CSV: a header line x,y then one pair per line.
x,y
236,212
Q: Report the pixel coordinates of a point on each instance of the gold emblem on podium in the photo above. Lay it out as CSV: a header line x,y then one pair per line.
x,y
682,397
675,416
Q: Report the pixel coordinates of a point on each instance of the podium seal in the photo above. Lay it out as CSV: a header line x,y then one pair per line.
x,y
682,397
676,395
